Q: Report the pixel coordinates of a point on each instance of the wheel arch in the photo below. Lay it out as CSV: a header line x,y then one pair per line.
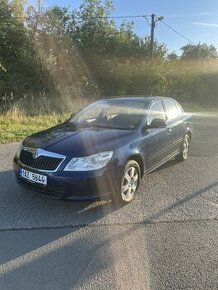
x,y
138,158
189,133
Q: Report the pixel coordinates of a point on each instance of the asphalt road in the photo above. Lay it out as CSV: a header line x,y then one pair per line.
x,y
167,238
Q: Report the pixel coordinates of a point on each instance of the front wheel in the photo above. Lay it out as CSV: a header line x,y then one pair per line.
x,y
183,155
129,183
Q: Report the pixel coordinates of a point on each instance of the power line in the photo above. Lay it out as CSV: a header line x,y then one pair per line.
x,y
146,17
180,34
115,17
141,16
129,16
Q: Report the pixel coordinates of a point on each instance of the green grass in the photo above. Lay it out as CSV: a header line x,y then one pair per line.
x,y
16,129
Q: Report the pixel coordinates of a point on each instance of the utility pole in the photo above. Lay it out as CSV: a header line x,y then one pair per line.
x,y
152,33
154,20
39,6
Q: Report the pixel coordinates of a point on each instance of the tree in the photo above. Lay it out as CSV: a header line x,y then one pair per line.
x,y
199,52
89,26
172,56
94,33
21,68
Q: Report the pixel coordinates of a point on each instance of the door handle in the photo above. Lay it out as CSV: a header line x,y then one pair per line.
x,y
169,130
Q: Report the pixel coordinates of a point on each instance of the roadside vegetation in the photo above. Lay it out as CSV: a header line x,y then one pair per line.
x,y
55,60
15,128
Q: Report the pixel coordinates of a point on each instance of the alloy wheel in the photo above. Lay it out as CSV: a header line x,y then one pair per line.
x,y
129,183
185,149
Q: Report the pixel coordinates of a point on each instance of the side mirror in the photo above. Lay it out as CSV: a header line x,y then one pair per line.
x,y
157,123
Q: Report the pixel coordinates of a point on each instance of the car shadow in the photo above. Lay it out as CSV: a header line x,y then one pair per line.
x,y
178,203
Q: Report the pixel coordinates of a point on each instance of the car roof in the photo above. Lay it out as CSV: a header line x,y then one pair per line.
x,y
136,98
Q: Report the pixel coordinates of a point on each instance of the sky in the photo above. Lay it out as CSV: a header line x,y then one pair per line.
x,y
195,19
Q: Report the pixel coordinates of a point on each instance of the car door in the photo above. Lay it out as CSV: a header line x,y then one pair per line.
x,y
155,140
175,126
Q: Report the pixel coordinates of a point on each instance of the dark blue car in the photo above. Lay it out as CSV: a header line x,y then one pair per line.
x,y
104,149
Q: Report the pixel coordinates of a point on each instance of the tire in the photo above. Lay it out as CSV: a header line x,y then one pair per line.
x,y
183,155
128,184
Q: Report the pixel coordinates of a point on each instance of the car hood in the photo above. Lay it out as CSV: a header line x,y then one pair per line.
x,y
73,141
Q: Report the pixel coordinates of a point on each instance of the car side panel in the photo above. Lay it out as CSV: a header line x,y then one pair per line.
x,y
154,144
176,131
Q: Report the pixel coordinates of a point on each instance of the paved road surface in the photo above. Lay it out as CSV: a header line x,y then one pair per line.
x,y
167,238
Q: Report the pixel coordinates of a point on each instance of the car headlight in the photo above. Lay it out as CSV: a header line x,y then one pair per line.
x,y
92,162
17,154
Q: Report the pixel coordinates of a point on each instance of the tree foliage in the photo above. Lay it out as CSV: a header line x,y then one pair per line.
x,y
199,52
60,54
22,70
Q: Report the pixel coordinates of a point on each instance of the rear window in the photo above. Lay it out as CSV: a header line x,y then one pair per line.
x,y
179,108
171,109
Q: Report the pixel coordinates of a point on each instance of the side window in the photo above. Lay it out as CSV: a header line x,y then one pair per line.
x,y
179,108
156,111
171,110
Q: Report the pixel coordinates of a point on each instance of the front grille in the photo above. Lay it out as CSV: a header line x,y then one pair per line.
x,y
42,162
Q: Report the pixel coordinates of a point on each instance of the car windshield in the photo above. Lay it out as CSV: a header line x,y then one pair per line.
x,y
125,115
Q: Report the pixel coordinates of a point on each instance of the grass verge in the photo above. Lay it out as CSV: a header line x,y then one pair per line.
x,y
16,129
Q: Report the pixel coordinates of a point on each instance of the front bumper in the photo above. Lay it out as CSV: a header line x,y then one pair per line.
x,y
72,185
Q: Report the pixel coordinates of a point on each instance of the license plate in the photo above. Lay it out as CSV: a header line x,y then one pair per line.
x,y
34,177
